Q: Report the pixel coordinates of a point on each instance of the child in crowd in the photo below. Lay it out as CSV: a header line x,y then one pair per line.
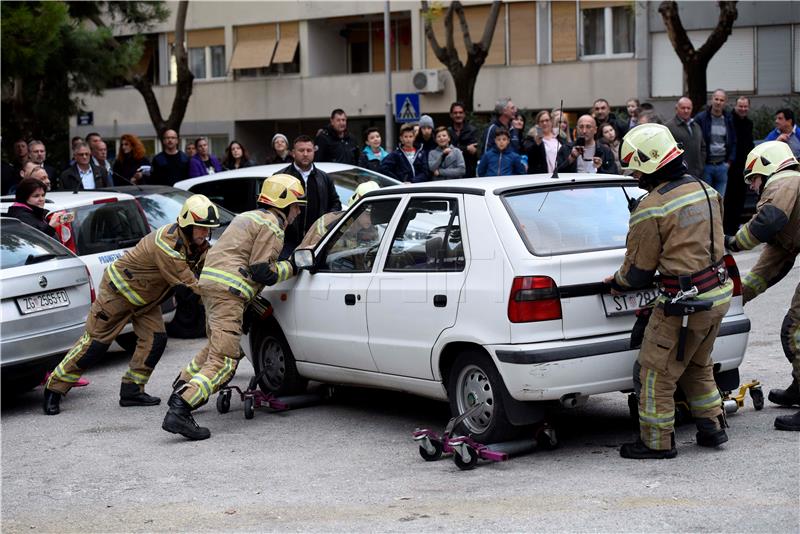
x,y
499,160
407,163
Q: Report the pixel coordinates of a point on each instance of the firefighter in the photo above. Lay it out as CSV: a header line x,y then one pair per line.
x,y
676,230
772,171
132,290
329,220
242,262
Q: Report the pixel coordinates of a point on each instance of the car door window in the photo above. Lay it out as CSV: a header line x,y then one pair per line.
x,y
428,237
108,226
347,180
355,244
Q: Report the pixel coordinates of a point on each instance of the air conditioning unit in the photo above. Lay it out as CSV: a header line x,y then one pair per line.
x,y
428,81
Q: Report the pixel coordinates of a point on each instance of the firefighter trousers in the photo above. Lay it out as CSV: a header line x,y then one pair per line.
x,y
216,363
108,315
660,372
790,334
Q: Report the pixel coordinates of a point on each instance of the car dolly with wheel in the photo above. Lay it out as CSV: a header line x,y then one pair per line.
x,y
466,451
254,398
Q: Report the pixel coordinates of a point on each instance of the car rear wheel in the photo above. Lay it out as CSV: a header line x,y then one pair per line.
x,y
474,380
272,352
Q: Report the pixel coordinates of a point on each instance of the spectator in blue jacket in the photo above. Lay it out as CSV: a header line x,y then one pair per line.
x,y
786,130
719,134
500,160
203,162
407,163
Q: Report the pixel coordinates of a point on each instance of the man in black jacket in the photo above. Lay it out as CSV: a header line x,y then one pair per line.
x,y
334,143
320,193
736,191
83,174
586,154
464,136
601,111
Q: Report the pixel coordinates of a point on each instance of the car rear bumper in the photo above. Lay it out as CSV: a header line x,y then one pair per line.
x,y
40,346
551,370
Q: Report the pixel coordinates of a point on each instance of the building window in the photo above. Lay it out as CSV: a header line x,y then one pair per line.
x,y
197,62
365,43
607,31
206,53
266,50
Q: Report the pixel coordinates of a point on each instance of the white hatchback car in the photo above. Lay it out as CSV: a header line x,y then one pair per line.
x,y
480,290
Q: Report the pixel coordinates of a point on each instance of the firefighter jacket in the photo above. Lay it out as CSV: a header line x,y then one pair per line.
x,y
245,258
320,228
777,223
162,259
670,232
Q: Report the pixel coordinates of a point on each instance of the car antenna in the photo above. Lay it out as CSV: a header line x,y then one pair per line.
x,y
558,136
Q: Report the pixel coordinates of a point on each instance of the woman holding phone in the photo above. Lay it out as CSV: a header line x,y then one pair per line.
x,y
541,145
29,208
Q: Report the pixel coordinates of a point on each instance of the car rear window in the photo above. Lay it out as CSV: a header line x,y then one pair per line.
x,y
236,194
21,244
163,208
346,182
108,226
570,220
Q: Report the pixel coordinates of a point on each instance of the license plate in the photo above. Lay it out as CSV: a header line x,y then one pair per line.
x,y
43,301
627,303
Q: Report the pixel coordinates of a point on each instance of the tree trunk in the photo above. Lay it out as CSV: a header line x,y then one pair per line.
x,y
464,74
695,61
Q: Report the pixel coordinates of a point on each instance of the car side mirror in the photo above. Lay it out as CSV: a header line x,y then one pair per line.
x,y
303,258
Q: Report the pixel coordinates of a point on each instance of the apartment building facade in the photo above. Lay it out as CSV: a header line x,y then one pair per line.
x,y
264,67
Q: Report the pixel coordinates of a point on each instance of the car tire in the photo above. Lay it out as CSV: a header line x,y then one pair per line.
x,y
271,350
473,379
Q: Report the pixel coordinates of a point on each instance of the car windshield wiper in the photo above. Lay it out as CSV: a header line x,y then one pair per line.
x,y
128,242
32,258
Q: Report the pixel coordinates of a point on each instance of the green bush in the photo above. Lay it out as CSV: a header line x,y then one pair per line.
x,y
764,117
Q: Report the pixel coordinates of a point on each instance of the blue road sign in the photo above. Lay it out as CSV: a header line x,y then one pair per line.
x,y
406,107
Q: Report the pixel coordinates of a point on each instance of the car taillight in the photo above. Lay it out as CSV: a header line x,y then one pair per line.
x,y
91,284
533,298
733,273
105,200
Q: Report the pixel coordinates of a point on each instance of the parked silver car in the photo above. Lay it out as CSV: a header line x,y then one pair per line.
x,y
46,295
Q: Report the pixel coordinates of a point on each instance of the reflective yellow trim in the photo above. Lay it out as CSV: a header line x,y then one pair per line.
x,y
253,216
229,280
223,374
675,204
122,286
755,282
203,392
137,378
706,401
745,239
163,245
284,269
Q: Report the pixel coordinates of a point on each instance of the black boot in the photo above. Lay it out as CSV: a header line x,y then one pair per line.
x,y
786,397
134,395
711,433
179,420
788,422
178,383
52,402
639,451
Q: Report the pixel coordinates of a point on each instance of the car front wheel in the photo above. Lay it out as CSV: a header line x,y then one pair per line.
x,y
474,380
272,354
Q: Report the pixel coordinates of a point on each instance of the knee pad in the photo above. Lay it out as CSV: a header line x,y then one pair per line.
x,y
637,381
93,354
157,350
789,330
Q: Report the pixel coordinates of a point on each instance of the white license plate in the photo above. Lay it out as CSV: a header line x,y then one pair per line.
x,y
628,302
43,301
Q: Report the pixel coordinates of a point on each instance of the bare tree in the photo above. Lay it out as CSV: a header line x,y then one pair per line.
x,y
465,74
183,87
695,61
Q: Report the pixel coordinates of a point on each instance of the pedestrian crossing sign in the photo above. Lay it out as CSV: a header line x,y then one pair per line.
x,y
406,107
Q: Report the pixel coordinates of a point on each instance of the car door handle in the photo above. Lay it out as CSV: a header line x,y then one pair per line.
x,y
350,299
440,301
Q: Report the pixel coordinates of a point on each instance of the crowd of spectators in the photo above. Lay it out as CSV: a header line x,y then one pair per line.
x,y
715,140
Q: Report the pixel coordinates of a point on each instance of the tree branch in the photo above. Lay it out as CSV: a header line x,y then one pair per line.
x,y
727,16
491,24
183,89
462,20
676,32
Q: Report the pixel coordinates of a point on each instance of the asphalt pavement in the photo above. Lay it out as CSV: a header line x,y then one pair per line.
x,y
350,464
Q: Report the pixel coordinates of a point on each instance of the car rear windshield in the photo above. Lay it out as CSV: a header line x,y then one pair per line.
x,y
569,220
108,226
163,208
21,244
346,182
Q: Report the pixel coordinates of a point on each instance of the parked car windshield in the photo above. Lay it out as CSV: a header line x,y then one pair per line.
x,y
569,220
163,208
108,226
21,244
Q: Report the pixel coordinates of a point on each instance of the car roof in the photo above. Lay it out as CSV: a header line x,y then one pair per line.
x,y
496,185
262,170
140,190
68,200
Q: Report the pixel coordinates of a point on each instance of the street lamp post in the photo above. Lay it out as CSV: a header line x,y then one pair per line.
x,y
387,65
